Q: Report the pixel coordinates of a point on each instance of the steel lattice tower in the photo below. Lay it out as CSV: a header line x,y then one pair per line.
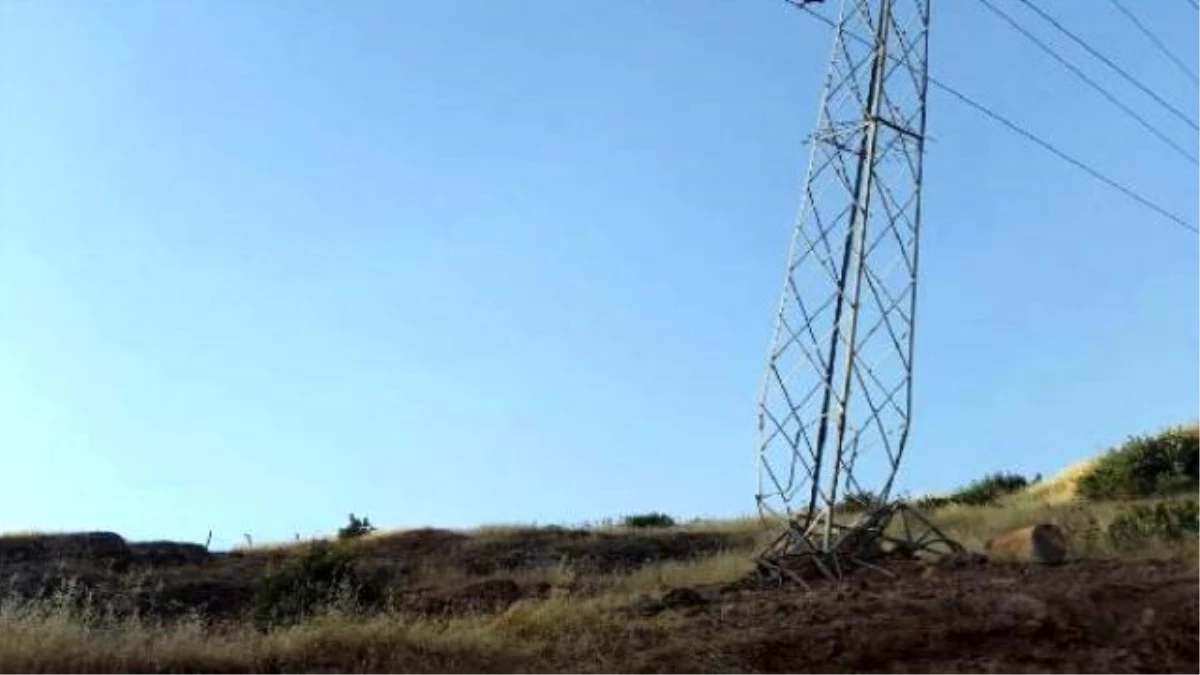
x,y
836,399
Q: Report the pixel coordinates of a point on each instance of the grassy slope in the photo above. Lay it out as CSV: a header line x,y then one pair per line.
x,y
585,630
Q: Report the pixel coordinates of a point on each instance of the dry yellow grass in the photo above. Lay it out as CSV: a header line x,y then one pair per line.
x,y
55,639
721,568
555,635
18,534
1062,487
495,529
752,523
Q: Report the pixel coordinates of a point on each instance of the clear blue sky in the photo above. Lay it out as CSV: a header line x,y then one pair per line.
x,y
448,263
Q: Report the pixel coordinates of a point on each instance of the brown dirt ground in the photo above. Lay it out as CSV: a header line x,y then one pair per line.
x,y
1082,617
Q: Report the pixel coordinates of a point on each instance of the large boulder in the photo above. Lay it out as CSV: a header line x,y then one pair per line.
x,y
1043,544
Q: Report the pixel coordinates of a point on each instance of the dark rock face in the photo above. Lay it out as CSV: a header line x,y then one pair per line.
x,y
604,553
105,548
169,553
490,596
211,598
41,548
102,568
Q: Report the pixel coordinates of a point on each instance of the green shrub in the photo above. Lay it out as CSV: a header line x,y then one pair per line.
x,y
933,502
981,492
357,527
322,575
990,488
1146,466
1090,535
857,502
645,520
1169,521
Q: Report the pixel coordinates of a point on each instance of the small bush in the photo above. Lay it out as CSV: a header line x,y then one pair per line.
x,y
933,502
357,527
322,575
1147,466
988,489
1090,535
982,492
857,502
1170,521
646,520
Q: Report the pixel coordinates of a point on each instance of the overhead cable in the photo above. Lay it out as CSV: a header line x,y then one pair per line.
x,y
1162,48
1108,95
1027,134
1108,62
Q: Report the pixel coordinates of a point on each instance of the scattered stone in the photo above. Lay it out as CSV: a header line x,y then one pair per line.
x,y
492,595
961,559
678,598
732,588
1043,544
1024,607
648,606
1148,617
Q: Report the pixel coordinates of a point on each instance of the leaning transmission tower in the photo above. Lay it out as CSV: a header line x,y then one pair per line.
x,y
836,400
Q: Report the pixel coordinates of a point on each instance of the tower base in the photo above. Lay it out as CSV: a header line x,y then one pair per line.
x,y
804,553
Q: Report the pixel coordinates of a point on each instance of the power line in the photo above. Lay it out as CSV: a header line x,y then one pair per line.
x,y
1154,39
1028,135
1108,62
1193,4
1129,192
1083,76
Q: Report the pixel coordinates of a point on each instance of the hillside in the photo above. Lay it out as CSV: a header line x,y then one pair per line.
x,y
624,599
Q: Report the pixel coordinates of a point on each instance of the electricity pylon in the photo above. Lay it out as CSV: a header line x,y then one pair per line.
x,y
836,399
